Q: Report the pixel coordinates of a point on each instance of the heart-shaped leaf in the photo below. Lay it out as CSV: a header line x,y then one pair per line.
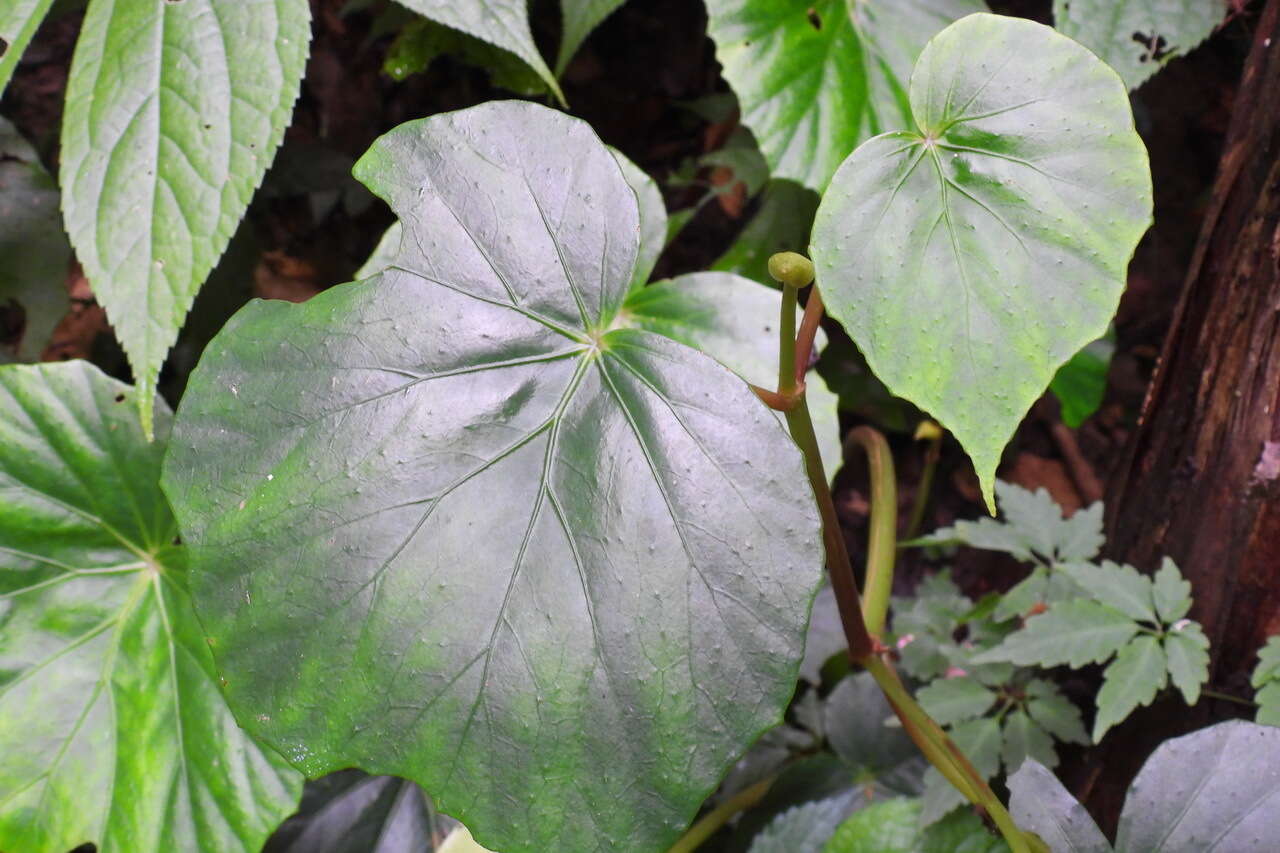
x,y
453,523
969,259
112,729
19,21
174,111
814,79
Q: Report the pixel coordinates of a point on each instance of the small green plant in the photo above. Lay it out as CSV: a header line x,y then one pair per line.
x,y
1266,681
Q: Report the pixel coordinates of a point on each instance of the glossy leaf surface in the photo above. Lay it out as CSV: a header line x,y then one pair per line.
x,y
815,79
1039,803
969,259
112,727
34,251
1137,37
19,20
174,111
451,523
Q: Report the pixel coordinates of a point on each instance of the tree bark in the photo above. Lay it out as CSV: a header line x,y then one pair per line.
x,y
1200,481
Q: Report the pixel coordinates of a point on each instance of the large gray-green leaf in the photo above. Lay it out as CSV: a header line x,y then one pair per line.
x,y
112,728
1039,803
19,20
174,111
34,251
735,320
1213,791
452,524
1137,37
578,19
503,23
971,258
815,79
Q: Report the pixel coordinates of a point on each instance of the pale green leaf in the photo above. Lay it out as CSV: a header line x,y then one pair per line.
x,y
980,741
34,252
953,700
19,20
1137,37
384,254
1212,791
602,649
735,321
885,827
1054,712
578,19
1024,595
653,217
502,23
1139,671
1268,699
173,113
1023,739
1186,649
1074,633
815,79
1268,668
1172,592
1119,587
112,727
1039,803
781,223
969,259
960,832
803,829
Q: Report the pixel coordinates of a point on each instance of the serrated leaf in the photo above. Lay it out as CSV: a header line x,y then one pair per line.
x,y
1023,739
1080,537
1074,633
1033,515
1119,587
1172,592
1186,650
971,259
1054,712
173,113
803,829
980,741
34,252
1268,699
502,23
1139,671
1268,667
885,827
1137,37
578,19
337,465
1081,383
1039,803
19,21
1216,790
781,223
112,728
1023,596
735,321
952,700
351,812
960,832
815,79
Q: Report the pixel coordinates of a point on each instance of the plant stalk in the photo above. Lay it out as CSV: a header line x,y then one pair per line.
x,y
932,433
708,824
882,542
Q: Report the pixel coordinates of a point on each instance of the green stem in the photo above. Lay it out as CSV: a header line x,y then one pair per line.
x,y
882,542
931,432
1227,697
787,342
709,823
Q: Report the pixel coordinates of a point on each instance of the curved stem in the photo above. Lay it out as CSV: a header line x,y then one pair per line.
x,y
882,542
932,433
808,332
707,825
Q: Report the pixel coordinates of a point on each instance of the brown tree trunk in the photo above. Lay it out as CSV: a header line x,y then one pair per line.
x,y
1201,479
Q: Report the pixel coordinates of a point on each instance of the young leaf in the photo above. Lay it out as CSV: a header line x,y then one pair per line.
x,y
349,811
34,251
503,23
971,258
1074,633
1266,681
1055,714
1137,37
1172,592
1139,671
19,21
452,523
735,320
1216,790
1186,650
815,79
1038,802
1119,587
174,111
1023,739
953,700
112,727
578,18
886,827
